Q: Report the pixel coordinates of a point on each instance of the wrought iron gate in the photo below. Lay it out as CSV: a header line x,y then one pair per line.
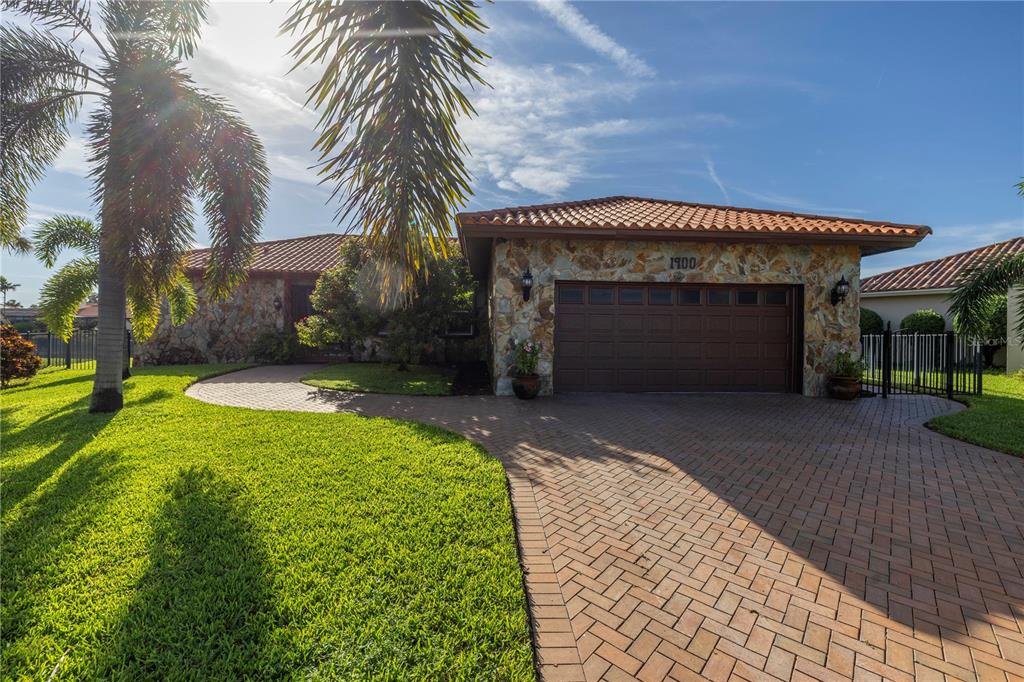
x,y
939,364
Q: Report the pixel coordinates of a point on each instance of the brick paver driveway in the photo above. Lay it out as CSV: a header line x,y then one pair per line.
x,y
739,536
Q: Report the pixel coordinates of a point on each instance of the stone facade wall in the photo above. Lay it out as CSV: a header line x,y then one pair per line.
x,y
827,328
223,331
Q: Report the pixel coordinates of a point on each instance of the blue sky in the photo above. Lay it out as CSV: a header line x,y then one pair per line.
x,y
910,112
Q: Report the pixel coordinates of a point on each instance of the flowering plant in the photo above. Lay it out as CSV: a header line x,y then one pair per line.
x,y
525,356
845,365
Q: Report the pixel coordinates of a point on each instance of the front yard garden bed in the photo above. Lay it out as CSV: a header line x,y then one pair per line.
x,y
179,538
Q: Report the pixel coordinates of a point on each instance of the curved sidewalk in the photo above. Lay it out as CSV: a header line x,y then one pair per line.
x,y
737,536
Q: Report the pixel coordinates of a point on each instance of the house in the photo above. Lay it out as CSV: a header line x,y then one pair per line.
x,y
634,294
274,296
897,293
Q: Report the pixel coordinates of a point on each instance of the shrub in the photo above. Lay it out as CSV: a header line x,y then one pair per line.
x,y
349,309
845,365
274,347
870,322
18,358
525,357
924,322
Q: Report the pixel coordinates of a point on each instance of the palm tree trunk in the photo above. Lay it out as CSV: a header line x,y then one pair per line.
x,y
107,389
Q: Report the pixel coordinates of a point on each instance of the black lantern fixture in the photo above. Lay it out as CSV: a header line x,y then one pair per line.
x,y
277,303
840,290
527,283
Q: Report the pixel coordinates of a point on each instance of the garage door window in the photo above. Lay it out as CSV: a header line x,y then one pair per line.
x,y
571,295
601,295
746,297
775,297
689,297
659,296
631,296
718,297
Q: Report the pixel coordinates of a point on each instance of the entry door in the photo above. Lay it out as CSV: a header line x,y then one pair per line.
x,y
628,337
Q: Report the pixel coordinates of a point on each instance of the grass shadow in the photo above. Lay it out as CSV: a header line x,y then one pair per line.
x,y
202,608
37,535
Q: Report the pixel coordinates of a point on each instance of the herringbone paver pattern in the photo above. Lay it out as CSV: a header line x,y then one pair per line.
x,y
739,536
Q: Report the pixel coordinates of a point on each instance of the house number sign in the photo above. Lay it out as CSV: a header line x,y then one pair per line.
x,y
683,262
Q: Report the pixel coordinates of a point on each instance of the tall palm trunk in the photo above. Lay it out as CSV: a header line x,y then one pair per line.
x,y
107,390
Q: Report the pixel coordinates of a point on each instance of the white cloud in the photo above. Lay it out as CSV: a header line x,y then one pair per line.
x,y
573,21
535,129
73,157
710,165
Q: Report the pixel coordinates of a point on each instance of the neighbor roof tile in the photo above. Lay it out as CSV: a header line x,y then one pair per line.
x,y
941,273
315,253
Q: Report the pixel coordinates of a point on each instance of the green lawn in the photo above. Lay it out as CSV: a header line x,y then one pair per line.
x,y
994,419
185,540
377,377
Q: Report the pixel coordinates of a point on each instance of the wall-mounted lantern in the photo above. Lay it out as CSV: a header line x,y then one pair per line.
x,y
840,290
277,303
527,283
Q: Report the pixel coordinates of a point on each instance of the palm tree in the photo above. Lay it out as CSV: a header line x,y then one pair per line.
x,y
70,287
156,141
983,286
389,98
6,287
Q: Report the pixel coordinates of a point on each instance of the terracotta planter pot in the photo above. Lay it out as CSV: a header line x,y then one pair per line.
x,y
526,387
843,388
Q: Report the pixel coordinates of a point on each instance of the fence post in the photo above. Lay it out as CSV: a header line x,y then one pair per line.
x,y
978,373
67,351
49,349
886,360
950,363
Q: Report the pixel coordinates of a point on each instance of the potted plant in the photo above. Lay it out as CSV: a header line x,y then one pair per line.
x,y
525,381
844,380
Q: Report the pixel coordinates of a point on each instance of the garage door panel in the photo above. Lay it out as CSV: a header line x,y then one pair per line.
x,y
718,323
607,338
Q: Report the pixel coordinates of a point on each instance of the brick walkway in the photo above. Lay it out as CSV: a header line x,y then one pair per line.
x,y
739,536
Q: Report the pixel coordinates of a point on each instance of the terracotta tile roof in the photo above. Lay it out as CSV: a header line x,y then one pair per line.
x,y
315,253
941,273
636,213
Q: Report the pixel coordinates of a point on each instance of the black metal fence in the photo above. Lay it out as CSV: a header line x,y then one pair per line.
x,y
78,352
939,364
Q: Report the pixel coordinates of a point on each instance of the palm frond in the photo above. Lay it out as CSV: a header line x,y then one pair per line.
x,y
980,286
41,83
147,181
172,29
65,292
62,232
232,181
181,299
389,98
52,13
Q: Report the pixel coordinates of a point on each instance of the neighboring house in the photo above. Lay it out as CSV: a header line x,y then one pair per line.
x,y
275,295
13,315
633,294
897,293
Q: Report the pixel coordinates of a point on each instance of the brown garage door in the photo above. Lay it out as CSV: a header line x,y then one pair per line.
x,y
615,337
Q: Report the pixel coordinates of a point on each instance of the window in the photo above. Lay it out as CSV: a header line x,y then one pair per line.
x,y
746,297
631,296
572,295
689,297
659,296
775,297
718,297
601,295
